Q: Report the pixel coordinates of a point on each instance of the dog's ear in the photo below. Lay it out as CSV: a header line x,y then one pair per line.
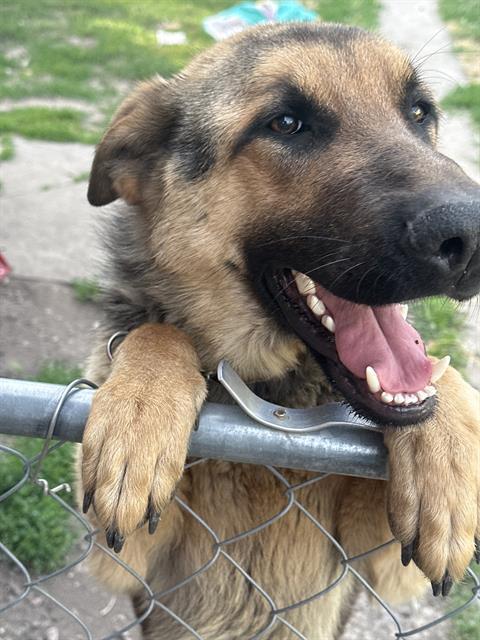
x,y
132,144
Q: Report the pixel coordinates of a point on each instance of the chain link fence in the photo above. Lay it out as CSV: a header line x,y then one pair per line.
x,y
50,411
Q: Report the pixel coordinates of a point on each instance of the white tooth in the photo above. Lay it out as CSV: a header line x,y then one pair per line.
x,y
399,398
329,323
421,395
411,398
312,301
316,305
430,391
304,284
404,310
439,368
372,380
387,398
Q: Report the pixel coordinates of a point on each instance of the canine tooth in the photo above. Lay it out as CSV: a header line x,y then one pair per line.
x,y
316,305
439,368
430,390
404,310
421,395
399,398
372,380
329,323
387,398
304,284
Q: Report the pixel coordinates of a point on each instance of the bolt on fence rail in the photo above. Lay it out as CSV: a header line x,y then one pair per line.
x,y
339,445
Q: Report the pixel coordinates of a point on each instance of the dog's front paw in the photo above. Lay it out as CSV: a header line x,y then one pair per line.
x,y
133,453
434,486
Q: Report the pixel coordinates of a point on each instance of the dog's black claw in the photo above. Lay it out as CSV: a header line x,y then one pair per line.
x,y
436,588
477,550
153,520
110,536
87,501
407,553
118,541
447,584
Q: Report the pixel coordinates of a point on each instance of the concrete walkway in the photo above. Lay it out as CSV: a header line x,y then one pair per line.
x,y
48,227
47,233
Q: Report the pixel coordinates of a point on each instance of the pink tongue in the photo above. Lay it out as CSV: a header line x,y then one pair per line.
x,y
379,337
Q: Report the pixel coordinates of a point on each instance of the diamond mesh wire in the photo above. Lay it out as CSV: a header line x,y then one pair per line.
x,y
276,620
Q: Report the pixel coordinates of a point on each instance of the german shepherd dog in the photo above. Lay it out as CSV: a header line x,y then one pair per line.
x,y
282,198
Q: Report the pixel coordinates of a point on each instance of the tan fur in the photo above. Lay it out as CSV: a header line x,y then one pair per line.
x,y
135,445
437,495
149,443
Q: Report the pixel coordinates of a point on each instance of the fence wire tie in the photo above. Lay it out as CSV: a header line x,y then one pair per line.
x,y
73,386
46,489
111,341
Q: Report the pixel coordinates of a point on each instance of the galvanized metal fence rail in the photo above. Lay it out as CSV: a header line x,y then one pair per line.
x,y
340,446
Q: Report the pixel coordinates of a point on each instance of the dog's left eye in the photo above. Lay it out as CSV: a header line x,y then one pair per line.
x,y
286,125
419,112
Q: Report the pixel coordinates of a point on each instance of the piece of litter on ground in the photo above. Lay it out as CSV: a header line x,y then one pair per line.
x,y
239,17
171,37
5,268
109,606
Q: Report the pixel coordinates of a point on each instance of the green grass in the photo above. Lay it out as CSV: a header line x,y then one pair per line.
x,y
441,326
59,125
81,177
467,97
362,13
7,150
466,625
463,15
95,50
114,40
85,290
57,373
33,526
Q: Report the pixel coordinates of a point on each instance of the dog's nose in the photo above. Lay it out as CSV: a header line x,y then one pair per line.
x,y
445,240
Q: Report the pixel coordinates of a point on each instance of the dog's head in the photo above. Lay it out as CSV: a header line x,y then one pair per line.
x,y
292,191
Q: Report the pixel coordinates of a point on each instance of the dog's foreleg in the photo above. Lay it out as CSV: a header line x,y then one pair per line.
x,y
434,487
136,438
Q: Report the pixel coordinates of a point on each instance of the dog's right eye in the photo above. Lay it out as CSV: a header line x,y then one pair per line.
x,y
286,125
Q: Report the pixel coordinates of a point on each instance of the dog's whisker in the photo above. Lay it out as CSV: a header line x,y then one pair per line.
x,y
359,284
442,74
446,48
377,280
327,264
418,61
431,39
344,273
309,272
303,237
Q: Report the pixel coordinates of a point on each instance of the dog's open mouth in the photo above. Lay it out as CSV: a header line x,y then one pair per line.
x,y
372,355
